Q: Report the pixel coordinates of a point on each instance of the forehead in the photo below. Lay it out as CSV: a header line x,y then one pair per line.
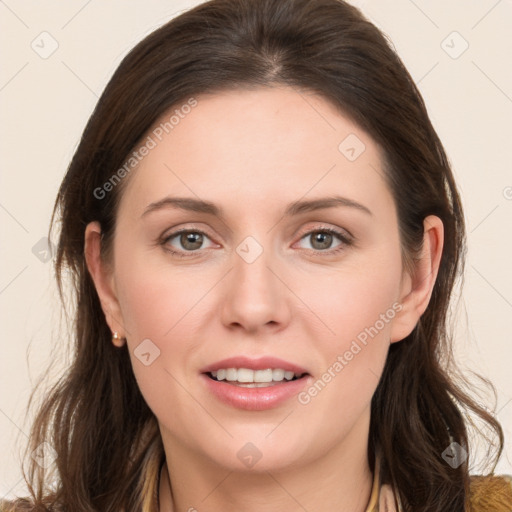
x,y
256,146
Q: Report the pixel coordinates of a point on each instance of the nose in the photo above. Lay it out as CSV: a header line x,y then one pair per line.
x,y
255,296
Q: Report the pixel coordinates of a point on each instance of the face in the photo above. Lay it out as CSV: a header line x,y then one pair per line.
x,y
292,263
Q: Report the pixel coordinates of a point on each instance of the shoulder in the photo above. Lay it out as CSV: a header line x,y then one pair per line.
x,y
19,505
5,506
491,493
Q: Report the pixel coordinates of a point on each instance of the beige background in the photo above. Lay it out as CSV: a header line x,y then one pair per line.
x,y
45,103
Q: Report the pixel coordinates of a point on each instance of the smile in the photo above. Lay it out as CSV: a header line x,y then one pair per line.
x,y
245,377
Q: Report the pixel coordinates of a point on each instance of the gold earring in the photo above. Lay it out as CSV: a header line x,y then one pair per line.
x,y
116,338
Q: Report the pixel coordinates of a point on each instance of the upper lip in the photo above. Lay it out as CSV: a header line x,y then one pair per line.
x,y
260,363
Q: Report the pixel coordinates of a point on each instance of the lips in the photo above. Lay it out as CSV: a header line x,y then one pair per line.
x,y
262,363
254,384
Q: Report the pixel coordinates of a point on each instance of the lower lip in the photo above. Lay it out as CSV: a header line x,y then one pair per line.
x,y
255,399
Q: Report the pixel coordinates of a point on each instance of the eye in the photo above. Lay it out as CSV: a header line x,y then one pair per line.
x,y
189,240
321,240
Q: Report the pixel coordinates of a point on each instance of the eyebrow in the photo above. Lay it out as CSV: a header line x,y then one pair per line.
x,y
295,208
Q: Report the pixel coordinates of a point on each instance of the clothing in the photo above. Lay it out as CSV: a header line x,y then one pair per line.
x,y
382,498
487,494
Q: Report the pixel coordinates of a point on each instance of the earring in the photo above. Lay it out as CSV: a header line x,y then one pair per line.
x,y
117,339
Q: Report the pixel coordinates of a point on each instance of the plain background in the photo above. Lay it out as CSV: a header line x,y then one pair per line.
x,y
458,53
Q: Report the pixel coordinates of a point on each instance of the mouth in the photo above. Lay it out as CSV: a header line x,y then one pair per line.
x,y
254,384
259,372
248,378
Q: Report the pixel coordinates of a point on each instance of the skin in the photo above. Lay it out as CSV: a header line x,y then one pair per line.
x,y
252,152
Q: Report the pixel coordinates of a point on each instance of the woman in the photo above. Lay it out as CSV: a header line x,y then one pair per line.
x,y
263,233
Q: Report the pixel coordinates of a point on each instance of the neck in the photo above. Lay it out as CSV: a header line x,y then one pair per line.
x,y
339,480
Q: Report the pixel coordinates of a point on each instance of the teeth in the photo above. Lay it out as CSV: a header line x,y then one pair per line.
x,y
262,375
231,374
278,374
247,376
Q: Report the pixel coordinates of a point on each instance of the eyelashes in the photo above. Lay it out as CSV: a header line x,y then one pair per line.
x,y
183,236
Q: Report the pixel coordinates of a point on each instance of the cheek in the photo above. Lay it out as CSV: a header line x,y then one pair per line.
x,y
359,297
153,297
155,305
157,308
359,305
366,307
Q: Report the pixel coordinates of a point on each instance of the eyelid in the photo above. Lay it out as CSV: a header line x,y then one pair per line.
x,y
342,232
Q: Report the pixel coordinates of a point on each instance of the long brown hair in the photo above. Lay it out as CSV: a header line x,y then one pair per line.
x,y
104,435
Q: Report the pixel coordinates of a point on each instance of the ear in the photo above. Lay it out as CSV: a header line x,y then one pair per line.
x,y
103,279
417,285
